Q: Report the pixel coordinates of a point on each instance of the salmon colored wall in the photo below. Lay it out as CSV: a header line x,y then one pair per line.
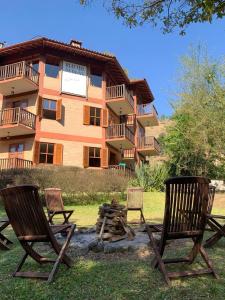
x,y
72,120
72,151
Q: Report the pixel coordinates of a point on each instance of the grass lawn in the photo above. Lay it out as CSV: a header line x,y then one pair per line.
x,y
114,276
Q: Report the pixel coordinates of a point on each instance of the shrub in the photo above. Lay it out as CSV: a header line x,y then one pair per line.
x,y
78,185
151,178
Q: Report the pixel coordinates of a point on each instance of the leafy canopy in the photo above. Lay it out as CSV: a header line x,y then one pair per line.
x,y
169,13
195,142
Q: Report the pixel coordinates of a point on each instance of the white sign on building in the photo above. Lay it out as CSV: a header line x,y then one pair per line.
x,y
74,79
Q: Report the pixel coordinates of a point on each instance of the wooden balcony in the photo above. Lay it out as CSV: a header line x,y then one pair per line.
x,y
16,121
148,146
120,100
120,136
147,115
15,163
129,154
18,78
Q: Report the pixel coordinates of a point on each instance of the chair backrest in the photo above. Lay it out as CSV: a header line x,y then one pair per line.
x,y
186,206
135,197
53,199
25,212
212,191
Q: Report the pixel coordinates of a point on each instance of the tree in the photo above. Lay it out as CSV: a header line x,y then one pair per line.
x,y
195,142
170,13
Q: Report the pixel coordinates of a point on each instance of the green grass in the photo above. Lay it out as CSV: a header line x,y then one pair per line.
x,y
112,276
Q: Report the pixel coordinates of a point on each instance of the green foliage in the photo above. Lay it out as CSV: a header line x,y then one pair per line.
x,y
151,178
170,13
78,185
195,140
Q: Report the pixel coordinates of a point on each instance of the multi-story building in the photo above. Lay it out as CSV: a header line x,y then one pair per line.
x,y
63,104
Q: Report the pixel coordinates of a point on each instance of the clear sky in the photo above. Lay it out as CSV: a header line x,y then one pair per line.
x,y
145,52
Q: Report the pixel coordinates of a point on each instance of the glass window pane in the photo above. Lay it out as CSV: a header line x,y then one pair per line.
x,y
91,151
20,148
94,162
92,111
49,159
98,122
12,148
46,104
51,148
53,105
92,120
96,80
98,112
51,70
43,148
97,152
42,158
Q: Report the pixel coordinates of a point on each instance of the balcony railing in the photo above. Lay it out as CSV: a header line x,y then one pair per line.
x,y
20,69
128,153
123,170
119,91
15,163
148,142
146,109
116,131
10,116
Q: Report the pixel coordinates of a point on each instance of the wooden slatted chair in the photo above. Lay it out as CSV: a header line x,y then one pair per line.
x,y
184,217
213,221
55,206
26,215
4,241
135,201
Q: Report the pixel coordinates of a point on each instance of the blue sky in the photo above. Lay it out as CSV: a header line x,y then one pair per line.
x,y
145,52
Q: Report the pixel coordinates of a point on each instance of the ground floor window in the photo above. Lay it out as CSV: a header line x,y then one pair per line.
x,y
16,150
46,153
94,157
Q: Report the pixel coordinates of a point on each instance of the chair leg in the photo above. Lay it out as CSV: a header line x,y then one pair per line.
x,y
61,255
208,261
158,256
66,217
142,217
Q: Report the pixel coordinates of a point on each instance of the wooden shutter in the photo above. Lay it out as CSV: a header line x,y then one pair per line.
x,y
40,108
104,118
104,157
86,115
59,110
36,152
58,154
86,157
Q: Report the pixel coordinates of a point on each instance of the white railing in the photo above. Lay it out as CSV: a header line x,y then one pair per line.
x,y
119,91
17,115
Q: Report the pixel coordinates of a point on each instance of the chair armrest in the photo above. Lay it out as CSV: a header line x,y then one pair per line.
x,y
216,216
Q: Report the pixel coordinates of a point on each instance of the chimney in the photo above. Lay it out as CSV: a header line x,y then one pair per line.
x,y
75,43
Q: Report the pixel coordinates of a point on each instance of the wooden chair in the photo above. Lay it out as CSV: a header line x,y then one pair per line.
x,y
184,217
54,203
28,220
135,201
4,242
213,222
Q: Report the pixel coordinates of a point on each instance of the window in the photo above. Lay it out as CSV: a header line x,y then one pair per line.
x,y
94,157
46,153
96,78
52,68
95,116
49,109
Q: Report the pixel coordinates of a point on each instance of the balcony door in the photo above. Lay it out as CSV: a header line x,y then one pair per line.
x,y
16,150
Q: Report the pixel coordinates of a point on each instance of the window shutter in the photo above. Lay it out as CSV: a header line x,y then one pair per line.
x,y
86,115
104,157
39,108
59,110
36,152
86,157
58,154
104,118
